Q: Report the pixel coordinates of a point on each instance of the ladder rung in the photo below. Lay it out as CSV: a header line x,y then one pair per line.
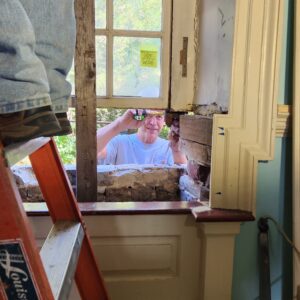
x,y
59,255
16,152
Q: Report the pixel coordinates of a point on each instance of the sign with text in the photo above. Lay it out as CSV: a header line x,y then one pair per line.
x,y
15,277
148,58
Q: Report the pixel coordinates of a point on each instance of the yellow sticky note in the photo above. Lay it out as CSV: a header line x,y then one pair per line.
x,y
148,58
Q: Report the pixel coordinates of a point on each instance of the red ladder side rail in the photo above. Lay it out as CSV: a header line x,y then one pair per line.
x,y
62,205
15,231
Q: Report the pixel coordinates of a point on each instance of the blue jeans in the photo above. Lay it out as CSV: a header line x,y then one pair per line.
x,y
37,42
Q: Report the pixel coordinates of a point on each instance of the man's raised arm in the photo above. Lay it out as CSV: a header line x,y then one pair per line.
x,y
106,133
178,156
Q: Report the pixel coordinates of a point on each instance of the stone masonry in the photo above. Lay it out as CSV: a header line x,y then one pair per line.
x,y
115,183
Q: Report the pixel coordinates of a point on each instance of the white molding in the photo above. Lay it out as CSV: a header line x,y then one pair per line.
x,y
159,256
143,256
217,266
296,151
249,128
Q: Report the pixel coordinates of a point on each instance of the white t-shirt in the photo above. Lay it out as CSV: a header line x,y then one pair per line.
x,y
128,149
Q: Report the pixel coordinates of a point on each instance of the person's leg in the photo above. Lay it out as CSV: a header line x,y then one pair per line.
x,y
24,91
55,32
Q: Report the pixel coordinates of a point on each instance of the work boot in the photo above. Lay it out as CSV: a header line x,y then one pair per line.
x,y
64,124
28,124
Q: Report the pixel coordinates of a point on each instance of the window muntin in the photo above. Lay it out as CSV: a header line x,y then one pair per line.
x,y
133,63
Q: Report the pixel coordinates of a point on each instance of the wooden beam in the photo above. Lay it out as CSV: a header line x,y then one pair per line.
x,y
85,84
196,129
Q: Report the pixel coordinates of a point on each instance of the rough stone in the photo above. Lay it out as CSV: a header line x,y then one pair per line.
x,y
192,189
189,185
209,110
117,195
115,183
144,192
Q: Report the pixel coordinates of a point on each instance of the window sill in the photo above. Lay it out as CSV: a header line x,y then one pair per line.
x,y
200,211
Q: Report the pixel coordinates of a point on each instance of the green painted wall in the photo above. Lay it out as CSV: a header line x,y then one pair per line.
x,y
274,198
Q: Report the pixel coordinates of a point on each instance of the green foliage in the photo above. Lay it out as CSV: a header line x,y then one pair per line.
x,y
140,14
164,132
67,148
67,144
108,114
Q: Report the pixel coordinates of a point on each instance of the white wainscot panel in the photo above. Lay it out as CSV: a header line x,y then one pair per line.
x,y
137,258
158,257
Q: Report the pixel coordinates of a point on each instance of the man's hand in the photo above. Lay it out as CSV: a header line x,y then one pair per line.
x,y
126,121
173,136
106,133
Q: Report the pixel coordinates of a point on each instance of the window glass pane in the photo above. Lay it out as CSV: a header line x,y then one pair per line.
x,y
100,65
71,78
138,14
136,66
100,14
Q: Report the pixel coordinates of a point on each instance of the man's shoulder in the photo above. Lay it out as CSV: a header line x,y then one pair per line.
x,y
162,141
122,139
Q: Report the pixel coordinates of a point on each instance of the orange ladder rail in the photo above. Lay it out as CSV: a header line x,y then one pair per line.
x,y
62,205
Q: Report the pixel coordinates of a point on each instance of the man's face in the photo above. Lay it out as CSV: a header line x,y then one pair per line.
x,y
153,124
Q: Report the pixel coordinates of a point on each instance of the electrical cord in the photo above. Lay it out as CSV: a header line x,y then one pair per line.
x,y
284,235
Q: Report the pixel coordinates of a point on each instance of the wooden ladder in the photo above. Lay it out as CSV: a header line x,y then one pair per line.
x,y
24,272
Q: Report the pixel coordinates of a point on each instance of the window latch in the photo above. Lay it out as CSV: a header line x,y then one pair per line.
x,y
183,56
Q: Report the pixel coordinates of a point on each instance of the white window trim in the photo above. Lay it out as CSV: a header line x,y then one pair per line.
x,y
247,133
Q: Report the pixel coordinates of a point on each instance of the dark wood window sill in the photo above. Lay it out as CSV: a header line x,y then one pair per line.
x,y
200,210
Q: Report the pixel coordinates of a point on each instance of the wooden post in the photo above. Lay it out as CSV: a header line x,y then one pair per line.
x,y
85,84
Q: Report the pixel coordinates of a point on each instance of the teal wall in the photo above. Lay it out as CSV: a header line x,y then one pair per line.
x,y
274,198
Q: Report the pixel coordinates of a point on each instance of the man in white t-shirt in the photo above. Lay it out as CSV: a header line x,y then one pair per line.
x,y
143,147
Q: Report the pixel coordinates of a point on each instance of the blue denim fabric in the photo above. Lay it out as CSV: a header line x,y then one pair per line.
x,y
37,42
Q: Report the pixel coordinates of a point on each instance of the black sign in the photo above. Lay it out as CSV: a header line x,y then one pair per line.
x,y
14,273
